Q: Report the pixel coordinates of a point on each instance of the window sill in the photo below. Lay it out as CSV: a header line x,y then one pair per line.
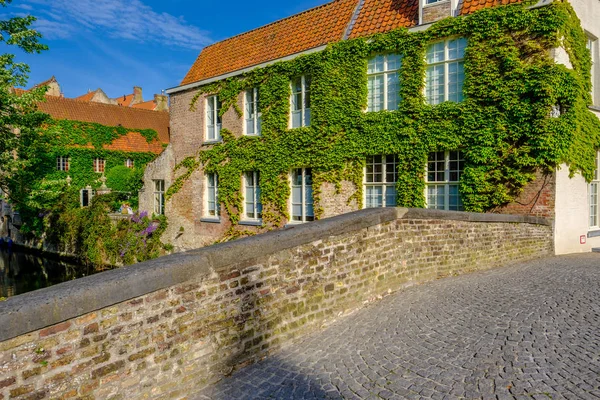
x,y
211,220
594,108
594,233
252,135
209,142
250,222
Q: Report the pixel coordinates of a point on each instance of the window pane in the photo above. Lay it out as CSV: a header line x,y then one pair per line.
x,y
307,117
374,196
435,53
456,48
456,78
375,97
393,62
250,127
393,88
297,195
390,196
296,119
435,84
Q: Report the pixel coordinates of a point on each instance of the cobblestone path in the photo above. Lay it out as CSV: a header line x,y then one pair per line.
x,y
525,331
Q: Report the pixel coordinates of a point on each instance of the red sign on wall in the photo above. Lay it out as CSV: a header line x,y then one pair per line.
x,y
582,239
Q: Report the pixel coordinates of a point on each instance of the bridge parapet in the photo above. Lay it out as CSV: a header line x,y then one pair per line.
x,y
167,327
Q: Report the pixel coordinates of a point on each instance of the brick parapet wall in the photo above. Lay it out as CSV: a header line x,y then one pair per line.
x,y
164,328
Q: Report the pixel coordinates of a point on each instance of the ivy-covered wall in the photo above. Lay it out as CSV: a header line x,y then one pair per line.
x,y
48,201
503,126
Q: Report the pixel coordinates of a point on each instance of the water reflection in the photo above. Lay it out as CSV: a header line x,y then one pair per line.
x,y
22,272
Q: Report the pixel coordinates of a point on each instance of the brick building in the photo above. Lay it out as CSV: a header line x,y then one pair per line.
x,y
196,215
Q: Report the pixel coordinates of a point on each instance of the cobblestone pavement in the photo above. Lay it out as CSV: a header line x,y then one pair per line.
x,y
525,331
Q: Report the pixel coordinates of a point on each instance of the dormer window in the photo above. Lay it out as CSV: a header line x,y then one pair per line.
x,y
431,11
383,82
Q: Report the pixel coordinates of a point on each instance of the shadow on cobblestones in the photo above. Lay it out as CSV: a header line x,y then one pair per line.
x,y
529,331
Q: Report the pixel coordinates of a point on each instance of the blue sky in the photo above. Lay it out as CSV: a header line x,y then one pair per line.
x,y
118,44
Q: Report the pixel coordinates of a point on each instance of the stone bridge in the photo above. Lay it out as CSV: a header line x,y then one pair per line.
x,y
174,327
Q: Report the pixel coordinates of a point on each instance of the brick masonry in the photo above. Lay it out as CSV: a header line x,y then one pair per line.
x,y
436,11
538,198
162,328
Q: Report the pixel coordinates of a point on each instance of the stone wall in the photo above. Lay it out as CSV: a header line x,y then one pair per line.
x,y
164,328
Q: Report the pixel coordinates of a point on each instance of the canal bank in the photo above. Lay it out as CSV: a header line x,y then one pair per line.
x,y
24,270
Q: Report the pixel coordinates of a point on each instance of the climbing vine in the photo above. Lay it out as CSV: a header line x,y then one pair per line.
x,y
504,125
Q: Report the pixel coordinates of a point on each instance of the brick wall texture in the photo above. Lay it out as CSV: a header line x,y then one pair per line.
x,y
538,198
166,344
436,11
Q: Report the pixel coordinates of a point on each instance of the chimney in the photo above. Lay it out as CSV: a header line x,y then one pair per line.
x,y
162,102
137,96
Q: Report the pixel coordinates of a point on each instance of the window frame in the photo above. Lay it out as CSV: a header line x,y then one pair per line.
x,y
303,204
207,199
385,73
446,62
304,89
159,196
257,203
99,165
594,204
446,182
63,163
218,122
384,184
592,45
256,118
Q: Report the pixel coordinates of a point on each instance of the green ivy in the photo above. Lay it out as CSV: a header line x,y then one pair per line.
x,y
503,126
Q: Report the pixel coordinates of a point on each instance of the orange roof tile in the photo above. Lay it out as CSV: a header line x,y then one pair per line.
x,y
304,31
125,101
378,16
107,114
134,141
86,97
318,26
146,105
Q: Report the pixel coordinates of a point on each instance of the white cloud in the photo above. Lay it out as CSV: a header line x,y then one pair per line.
x,y
126,19
52,29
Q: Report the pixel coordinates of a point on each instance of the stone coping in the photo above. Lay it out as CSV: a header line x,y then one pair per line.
x,y
35,310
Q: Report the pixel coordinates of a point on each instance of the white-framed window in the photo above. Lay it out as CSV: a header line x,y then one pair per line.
x,y
300,102
252,203
62,163
129,163
443,175
434,1
593,197
302,209
99,164
213,119
213,207
381,175
445,72
252,114
591,45
159,196
383,82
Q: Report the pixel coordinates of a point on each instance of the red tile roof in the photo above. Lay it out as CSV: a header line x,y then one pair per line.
x,y
111,115
304,31
146,105
125,101
86,97
318,26
378,16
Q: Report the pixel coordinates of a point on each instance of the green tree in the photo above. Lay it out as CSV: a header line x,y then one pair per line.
x,y
19,118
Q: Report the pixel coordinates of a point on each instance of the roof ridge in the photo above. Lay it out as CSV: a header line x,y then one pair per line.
x,y
353,19
274,22
94,104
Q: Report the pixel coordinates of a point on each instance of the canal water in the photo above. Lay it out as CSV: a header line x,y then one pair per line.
x,y
22,272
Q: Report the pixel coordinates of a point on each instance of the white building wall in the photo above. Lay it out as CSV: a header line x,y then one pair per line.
x,y
571,224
